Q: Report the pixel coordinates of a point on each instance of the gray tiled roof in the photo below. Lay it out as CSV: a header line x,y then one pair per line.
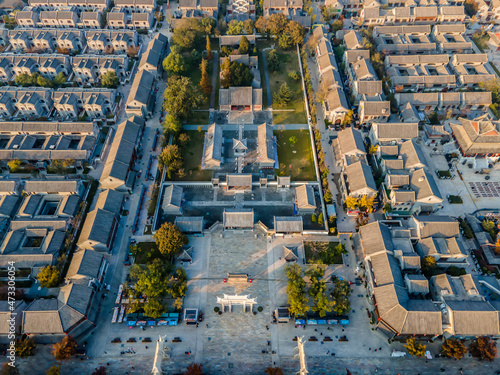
x,y
85,263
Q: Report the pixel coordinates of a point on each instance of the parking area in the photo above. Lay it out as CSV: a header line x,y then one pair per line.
x,y
476,190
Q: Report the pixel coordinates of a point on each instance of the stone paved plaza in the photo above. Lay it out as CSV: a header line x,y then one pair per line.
x,y
233,343
233,338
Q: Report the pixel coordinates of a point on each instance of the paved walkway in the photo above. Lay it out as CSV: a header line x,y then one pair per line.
x,y
266,73
215,71
344,222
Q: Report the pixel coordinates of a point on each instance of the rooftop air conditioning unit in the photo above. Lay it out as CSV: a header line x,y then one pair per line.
x,y
15,146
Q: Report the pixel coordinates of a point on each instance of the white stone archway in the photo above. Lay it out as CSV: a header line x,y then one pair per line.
x,y
230,300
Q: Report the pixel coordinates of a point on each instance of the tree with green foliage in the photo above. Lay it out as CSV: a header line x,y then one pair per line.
x,y
54,370
296,32
170,239
321,220
248,26
235,27
189,33
488,225
174,63
210,55
313,218
285,42
65,348
244,45
110,79
60,79
348,118
294,75
25,348
340,296
172,125
178,284
226,51
297,298
414,348
273,62
471,7
261,25
240,74
209,24
276,24
429,264
453,348
24,80
283,96
328,197
483,348
14,165
235,74
195,57
205,84
317,291
10,22
372,150
171,159
154,308
181,97
151,279
293,139
49,277
337,25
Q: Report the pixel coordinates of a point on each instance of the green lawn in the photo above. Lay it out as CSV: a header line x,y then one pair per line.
x,y
198,118
322,253
192,153
288,62
301,162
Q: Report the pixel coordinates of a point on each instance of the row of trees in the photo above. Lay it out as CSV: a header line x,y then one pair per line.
x,y
288,33
36,79
482,348
337,300
158,278
234,73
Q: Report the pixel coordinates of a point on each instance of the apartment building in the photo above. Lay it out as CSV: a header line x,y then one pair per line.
x,y
420,72
59,18
110,41
74,102
404,39
20,102
130,6
89,68
81,5
49,66
27,18
335,105
91,20
46,40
